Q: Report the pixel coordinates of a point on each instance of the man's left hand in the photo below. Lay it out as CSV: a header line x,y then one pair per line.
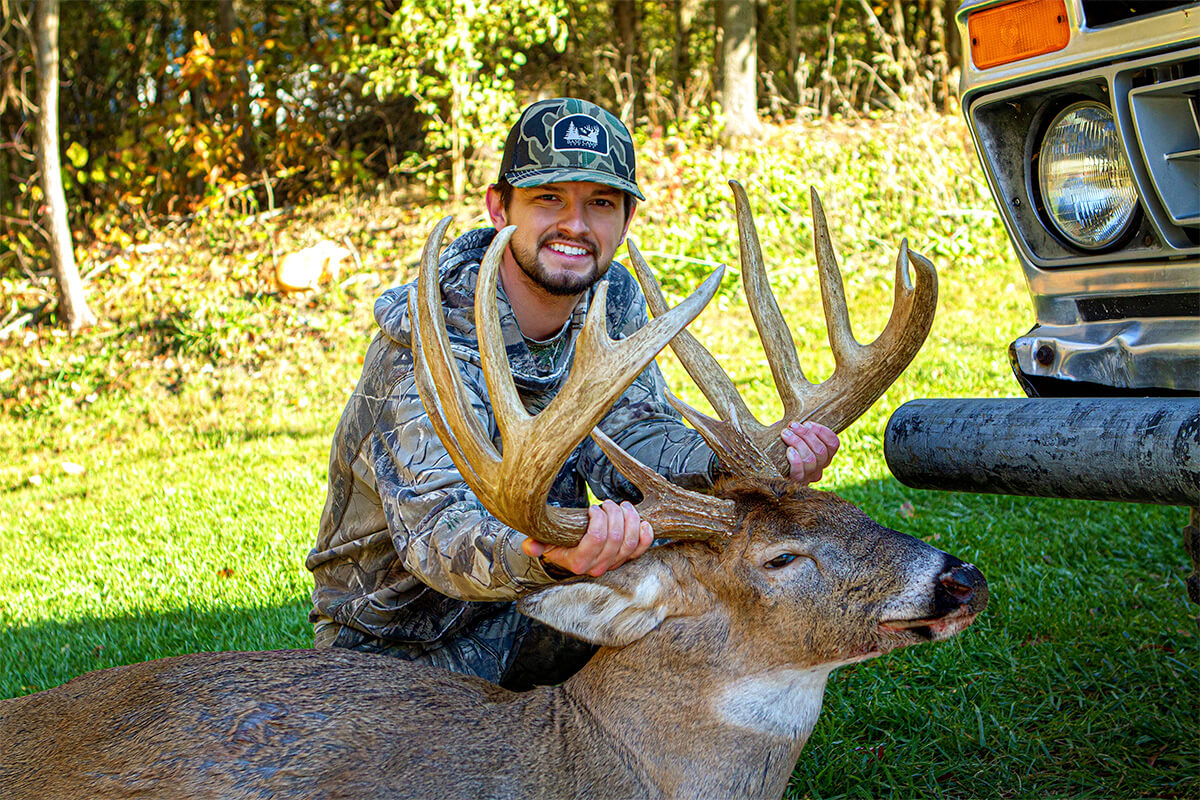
x,y
810,449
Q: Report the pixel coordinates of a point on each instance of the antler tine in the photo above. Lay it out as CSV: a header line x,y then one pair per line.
x,y
777,341
514,487
731,436
455,422
699,363
833,293
672,511
864,372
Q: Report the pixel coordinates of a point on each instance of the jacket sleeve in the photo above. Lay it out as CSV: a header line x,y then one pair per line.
x,y
442,533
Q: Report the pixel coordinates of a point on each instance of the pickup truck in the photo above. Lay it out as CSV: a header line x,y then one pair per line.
x,y
1085,115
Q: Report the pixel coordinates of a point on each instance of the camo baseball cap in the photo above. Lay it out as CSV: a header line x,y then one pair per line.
x,y
566,139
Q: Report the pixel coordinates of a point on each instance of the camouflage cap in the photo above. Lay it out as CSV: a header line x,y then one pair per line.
x,y
569,140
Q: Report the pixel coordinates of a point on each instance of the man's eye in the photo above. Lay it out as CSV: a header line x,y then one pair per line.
x,y
781,560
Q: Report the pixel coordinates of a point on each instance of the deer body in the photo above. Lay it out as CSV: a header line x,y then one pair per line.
x,y
707,684
249,725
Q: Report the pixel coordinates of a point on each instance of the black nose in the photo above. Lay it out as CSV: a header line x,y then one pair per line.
x,y
960,585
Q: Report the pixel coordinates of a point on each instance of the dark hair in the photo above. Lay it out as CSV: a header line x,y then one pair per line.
x,y
505,190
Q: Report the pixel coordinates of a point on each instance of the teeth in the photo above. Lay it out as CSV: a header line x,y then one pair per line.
x,y
568,249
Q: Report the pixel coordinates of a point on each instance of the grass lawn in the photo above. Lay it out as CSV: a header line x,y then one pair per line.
x,y
163,474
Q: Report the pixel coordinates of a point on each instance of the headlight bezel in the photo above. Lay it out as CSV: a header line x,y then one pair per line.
x,y
1050,116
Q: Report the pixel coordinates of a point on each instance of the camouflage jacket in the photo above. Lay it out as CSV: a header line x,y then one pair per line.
x,y
405,552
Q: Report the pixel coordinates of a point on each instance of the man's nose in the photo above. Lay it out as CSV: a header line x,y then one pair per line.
x,y
572,221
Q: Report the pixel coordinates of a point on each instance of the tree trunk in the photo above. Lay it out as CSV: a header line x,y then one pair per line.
x,y
941,59
685,16
72,303
954,55
238,108
461,77
627,14
718,63
739,91
793,53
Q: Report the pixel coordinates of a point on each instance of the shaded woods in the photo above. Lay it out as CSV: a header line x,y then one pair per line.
x,y
171,108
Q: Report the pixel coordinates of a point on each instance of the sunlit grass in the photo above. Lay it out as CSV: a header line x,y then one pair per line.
x,y
201,452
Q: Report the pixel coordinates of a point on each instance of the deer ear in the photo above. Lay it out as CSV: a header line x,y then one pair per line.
x,y
614,610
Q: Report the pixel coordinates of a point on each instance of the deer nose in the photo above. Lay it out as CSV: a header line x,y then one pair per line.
x,y
960,585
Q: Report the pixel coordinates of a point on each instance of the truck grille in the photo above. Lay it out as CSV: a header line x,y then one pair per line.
x,y
1166,116
1164,104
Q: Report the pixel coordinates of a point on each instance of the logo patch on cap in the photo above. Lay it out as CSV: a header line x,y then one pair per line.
x,y
580,132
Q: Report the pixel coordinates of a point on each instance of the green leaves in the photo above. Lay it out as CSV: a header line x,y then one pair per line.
x,y
459,60
77,154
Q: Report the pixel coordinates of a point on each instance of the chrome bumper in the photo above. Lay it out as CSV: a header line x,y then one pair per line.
x,y
1129,354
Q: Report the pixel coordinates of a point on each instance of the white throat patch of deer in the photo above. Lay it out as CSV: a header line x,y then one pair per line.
x,y
714,650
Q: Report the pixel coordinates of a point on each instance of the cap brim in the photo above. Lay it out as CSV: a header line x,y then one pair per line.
x,y
525,178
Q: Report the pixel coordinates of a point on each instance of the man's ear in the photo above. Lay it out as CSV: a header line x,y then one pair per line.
x,y
629,219
615,609
495,208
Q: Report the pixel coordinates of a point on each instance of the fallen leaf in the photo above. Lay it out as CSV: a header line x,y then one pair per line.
x,y
908,510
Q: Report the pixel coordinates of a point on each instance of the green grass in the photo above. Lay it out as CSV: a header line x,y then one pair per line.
x,y
201,416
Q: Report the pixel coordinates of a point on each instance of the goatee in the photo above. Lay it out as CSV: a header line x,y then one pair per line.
x,y
562,283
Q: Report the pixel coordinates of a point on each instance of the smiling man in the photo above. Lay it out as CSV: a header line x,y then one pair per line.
x,y
407,561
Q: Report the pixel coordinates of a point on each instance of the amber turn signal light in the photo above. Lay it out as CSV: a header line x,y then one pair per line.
x,y
1013,31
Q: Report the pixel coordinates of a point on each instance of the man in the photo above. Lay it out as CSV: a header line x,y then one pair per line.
x,y
407,561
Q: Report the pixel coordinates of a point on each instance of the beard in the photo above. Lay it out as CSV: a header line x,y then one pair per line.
x,y
562,283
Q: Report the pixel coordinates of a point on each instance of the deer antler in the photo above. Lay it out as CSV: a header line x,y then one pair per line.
x,y
514,486
862,372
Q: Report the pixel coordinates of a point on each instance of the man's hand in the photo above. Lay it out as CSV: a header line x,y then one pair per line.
x,y
810,449
615,534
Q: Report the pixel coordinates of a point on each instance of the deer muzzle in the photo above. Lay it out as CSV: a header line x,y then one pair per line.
x,y
959,594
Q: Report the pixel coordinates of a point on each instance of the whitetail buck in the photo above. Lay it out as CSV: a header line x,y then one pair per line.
x,y
714,654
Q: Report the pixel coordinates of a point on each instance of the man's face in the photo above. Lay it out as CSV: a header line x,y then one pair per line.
x,y
567,233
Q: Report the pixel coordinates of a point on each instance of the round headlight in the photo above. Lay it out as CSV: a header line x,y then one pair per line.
x,y
1087,187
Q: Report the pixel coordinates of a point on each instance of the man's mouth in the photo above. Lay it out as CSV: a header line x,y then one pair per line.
x,y
563,248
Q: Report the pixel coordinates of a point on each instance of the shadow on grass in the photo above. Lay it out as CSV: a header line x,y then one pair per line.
x,y
37,657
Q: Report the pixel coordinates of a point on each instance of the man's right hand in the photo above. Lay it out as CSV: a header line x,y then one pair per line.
x,y
615,534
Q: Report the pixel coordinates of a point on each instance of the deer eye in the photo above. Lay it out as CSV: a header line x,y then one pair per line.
x,y
779,561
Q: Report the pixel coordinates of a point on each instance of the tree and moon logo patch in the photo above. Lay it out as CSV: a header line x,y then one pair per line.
x,y
582,133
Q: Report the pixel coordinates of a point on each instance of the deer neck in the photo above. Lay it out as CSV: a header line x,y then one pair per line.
x,y
697,727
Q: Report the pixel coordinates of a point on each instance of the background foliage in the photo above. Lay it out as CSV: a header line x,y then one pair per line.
x,y
171,108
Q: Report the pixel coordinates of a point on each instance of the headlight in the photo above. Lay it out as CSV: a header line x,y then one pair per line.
x,y
1087,188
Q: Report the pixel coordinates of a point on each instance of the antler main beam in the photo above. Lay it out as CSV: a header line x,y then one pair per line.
x,y
862,372
515,484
